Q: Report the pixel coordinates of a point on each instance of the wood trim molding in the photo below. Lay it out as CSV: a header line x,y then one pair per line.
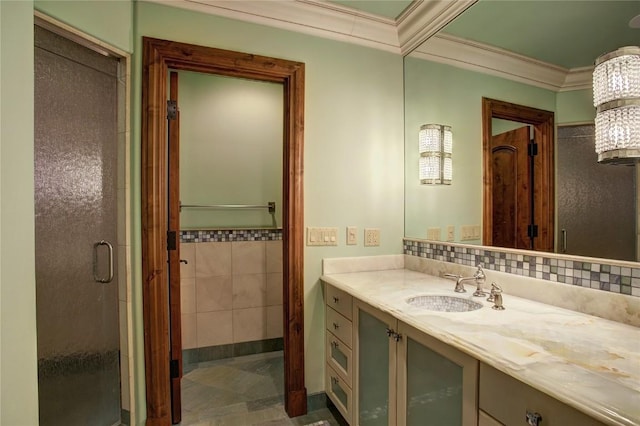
x,y
543,122
158,57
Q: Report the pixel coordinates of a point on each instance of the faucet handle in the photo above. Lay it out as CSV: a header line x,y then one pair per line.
x,y
452,276
496,297
479,275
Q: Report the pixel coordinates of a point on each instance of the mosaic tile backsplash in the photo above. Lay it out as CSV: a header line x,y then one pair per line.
x,y
226,235
602,276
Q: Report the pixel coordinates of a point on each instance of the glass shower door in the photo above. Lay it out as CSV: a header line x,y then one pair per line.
x,y
75,214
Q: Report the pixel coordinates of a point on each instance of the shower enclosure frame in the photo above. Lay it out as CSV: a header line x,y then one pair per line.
x,y
124,281
158,57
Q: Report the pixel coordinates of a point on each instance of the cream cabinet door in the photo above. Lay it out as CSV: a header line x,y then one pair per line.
x,y
437,384
375,367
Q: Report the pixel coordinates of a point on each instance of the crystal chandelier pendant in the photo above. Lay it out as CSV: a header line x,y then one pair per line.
x,y
616,96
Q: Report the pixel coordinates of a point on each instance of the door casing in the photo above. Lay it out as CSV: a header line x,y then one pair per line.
x,y
544,184
158,57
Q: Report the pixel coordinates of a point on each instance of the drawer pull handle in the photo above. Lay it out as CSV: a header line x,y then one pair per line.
x,y
533,419
336,299
334,344
336,326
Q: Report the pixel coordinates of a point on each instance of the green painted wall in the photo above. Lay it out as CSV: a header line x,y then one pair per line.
x,y
18,359
575,107
353,159
109,21
437,93
231,146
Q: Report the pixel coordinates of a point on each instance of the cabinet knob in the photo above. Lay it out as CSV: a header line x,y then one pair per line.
x,y
336,299
336,326
533,419
335,380
390,332
334,344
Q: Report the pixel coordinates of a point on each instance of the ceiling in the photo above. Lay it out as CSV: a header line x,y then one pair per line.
x,y
567,33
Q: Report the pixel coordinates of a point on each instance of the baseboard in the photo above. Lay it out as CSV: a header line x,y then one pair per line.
x,y
192,357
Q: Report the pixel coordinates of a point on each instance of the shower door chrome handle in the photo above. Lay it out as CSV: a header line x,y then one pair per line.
x,y
564,240
95,262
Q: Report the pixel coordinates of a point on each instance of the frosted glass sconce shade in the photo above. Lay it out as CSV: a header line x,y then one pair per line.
x,y
435,147
616,96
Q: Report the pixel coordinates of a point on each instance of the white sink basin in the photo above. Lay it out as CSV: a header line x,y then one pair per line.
x,y
443,303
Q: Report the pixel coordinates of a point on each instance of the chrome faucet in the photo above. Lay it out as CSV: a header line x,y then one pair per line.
x,y
479,277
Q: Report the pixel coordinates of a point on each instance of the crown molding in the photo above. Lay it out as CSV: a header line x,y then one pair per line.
x,y
578,79
474,56
313,17
423,19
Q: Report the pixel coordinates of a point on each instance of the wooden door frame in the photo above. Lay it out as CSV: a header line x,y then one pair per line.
x,y
158,57
543,123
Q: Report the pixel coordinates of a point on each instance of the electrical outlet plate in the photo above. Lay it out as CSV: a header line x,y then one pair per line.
x,y
371,237
352,235
434,234
322,236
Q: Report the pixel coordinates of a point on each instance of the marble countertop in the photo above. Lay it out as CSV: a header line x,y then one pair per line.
x,y
589,363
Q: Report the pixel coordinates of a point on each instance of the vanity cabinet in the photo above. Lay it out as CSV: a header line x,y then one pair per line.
x,y
338,350
506,401
399,375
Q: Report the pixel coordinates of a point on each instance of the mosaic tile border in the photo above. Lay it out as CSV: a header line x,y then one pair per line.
x,y
601,276
227,235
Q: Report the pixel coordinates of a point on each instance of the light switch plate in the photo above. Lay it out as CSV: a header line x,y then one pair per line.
x,y
352,235
322,236
434,234
466,232
451,233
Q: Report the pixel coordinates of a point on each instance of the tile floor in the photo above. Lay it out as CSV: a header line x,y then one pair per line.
x,y
242,391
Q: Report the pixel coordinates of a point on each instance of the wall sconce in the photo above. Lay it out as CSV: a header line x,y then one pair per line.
x,y
435,145
616,96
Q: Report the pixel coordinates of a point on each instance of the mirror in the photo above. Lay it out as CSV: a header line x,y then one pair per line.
x,y
497,50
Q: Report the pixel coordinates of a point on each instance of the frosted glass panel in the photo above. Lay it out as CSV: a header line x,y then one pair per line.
x,y
434,388
596,202
75,206
373,375
339,357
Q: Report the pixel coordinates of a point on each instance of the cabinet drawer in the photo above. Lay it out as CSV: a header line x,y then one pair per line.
x,y
486,420
339,392
340,301
340,357
507,400
339,326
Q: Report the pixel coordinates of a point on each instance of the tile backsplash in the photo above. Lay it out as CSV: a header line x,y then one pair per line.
x,y
224,235
617,277
231,286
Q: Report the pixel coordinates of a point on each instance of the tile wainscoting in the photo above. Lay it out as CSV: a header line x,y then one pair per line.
x,y
231,287
615,276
